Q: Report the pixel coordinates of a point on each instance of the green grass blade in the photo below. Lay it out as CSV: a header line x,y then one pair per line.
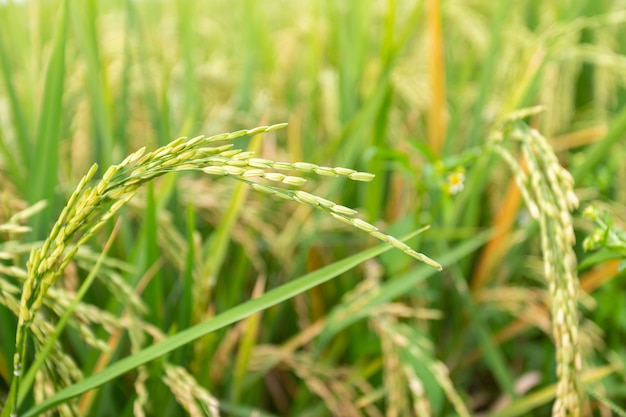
x,y
487,69
184,318
494,357
246,347
249,51
121,111
44,170
7,344
185,24
152,95
13,161
153,293
84,15
604,400
231,316
19,119
602,149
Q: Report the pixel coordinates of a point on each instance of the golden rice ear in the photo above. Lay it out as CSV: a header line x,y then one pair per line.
x,y
547,189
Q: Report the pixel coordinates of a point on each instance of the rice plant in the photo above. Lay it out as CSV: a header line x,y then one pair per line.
x,y
281,270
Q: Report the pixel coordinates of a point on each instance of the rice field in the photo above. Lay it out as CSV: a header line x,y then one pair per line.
x,y
312,208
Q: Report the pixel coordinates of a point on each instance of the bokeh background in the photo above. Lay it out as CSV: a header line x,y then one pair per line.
x,y
411,91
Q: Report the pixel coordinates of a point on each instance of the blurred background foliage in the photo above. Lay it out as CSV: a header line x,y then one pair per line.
x,y
407,90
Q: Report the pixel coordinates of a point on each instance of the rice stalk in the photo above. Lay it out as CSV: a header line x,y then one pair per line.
x,y
196,400
393,379
142,400
547,189
59,368
335,386
90,207
421,350
421,404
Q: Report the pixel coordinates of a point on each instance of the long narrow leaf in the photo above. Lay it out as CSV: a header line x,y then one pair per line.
x,y
233,315
45,168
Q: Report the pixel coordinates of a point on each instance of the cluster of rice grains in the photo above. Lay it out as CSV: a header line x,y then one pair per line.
x,y
60,369
90,207
547,189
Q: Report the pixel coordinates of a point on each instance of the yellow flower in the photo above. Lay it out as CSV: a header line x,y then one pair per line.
x,y
456,181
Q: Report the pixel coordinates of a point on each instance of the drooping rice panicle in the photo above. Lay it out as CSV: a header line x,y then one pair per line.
x,y
547,189
90,207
